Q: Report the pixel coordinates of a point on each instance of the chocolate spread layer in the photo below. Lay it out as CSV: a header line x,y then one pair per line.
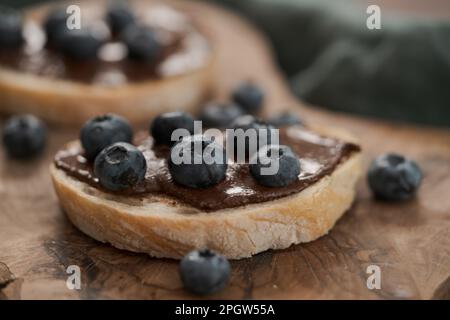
x,y
184,49
318,156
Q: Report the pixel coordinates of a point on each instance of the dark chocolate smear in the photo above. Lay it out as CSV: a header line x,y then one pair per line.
x,y
319,156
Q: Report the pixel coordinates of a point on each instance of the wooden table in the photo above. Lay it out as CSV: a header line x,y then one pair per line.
x,y
409,241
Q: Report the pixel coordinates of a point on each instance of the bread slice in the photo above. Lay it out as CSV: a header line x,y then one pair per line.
x,y
67,102
163,227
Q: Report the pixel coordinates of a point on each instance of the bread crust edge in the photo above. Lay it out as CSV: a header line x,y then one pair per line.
x,y
64,102
161,227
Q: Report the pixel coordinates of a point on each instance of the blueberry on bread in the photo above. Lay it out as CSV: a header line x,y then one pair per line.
x,y
141,198
189,167
283,161
11,27
142,43
284,119
219,115
249,97
120,166
120,16
102,131
249,124
163,126
55,24
80,44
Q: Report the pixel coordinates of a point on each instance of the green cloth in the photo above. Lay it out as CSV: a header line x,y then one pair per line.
x,y
400,72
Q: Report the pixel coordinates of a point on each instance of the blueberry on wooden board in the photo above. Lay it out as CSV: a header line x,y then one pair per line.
x,y
204,271
394,177
24,136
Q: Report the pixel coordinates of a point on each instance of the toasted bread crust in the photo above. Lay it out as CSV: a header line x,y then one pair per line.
x,y
69,103
162,227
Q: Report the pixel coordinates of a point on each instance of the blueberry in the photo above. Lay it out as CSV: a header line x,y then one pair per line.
x,y
284,119
11,26
204,271
24,136
80,44
193,162
102,131
249,97
142,43
217,115
284,161
55,25
164,124
119,16
120,166
393,177
248,123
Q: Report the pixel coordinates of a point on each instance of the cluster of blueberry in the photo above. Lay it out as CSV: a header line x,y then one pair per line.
x,y
247,99
84,43
107,142
119,165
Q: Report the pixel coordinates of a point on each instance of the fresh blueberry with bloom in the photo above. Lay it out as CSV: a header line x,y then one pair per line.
x,y
284,119
142,43
204,271
198,162
55,25
393,177
219,115
282,159
102,131
120,166
163,126
24,136
120,16
257,129
80,44
249,97
11,27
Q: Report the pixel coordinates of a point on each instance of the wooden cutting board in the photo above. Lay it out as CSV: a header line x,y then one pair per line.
x,y
410,241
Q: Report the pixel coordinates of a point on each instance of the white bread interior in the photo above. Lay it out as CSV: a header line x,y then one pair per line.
x,y
162,227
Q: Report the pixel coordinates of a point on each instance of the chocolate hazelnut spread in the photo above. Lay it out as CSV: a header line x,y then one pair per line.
x,y
319,156
184,50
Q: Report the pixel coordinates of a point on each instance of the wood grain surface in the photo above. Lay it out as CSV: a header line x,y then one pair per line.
x,y
409,241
